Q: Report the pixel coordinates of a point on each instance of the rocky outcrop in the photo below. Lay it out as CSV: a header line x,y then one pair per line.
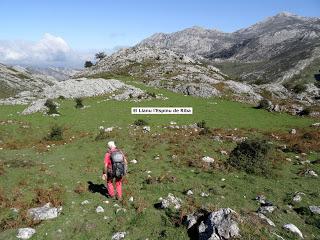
x,y
44,213
221,224
75,88
273,50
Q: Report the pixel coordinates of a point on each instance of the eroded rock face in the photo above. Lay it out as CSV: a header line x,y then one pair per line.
x,y
75,88
44,213
216,225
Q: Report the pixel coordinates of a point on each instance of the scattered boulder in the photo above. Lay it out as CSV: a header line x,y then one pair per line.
x,y
99,209
266,209
131,199
170,201
315,209
292,228
118,236
261,199
134,161
297,197
85,202
44,213
219,225
25,233
146,129
267,220
204,194
293,131
315,124
311,173
208,159
189,192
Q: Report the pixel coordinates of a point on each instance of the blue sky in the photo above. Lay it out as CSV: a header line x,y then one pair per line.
x,y
97,24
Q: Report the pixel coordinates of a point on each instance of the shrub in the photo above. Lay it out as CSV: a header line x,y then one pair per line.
x,y
305,112
56,133
251,156
100,55
264,104
78,103
299,88
52,107
152,94
88,64
140,122
201,124
61,97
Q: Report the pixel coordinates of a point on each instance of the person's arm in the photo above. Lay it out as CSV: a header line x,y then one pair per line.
x,y
105,169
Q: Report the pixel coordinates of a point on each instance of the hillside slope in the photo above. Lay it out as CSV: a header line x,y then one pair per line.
x,y
275,49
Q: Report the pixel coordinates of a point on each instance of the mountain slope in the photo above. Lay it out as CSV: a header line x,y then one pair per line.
x,y
278,43
17,79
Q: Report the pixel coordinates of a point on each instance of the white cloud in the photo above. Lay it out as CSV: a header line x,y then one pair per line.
x,y
50,50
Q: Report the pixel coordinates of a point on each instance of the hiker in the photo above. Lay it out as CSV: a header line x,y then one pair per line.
x,y
115,167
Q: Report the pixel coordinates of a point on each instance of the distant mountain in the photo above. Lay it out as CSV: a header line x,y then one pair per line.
x,y
58,73
278,49
17,79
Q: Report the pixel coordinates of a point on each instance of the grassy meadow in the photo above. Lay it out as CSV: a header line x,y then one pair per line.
x,y
34,170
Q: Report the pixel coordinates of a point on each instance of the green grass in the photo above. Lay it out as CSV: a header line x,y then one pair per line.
x,y
81,159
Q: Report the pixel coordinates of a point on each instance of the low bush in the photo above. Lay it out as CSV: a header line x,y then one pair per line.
x,y
201,124
264,104
305,112
79,103
52,107
140,122
299,88
252,156
56,133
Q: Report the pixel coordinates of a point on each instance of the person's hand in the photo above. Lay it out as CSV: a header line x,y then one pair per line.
x,y
104,177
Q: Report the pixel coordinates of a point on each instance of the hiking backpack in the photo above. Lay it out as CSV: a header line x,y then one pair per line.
x,y
117,161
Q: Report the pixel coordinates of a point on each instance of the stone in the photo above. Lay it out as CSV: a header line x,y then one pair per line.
x,y
131,199
311,173
146,129
293,131
99,209
297,197
85,202
267,220
223,152
170,201
315,124
134,161
266,209
44,213
292,228
25,233
189,192
203,194
208,159
118,235
218,225
261,199
315,209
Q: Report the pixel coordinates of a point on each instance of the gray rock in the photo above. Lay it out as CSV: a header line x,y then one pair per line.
x,y
267,220
266,209
118,235
45,212
208,159
293,131
170,201
292,228
99,209
85,202
310,173
219,225
315,209
25,233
